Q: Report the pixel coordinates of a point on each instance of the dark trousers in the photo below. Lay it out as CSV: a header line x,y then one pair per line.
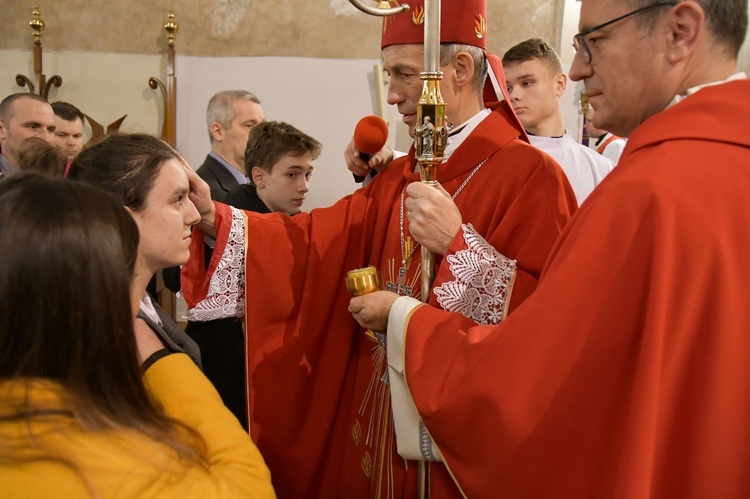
x,y
222,344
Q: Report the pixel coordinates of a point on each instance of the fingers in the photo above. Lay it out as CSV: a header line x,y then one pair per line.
x,y
193,177
417,190
433,217
381,159
355,305
353,161
371,310
442,191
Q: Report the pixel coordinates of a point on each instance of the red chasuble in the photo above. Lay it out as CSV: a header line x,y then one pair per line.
x,y
627,373
319,404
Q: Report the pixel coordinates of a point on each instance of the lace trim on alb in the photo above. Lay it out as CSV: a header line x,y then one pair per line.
x,y
484,279
226,289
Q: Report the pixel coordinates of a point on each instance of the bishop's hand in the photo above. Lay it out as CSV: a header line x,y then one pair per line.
x,y
371,310
362,166
200,195
434,219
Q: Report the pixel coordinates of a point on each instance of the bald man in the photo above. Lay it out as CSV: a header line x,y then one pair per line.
x,y
22,115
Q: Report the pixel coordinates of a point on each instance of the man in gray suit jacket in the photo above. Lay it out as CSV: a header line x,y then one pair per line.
x,y
230,116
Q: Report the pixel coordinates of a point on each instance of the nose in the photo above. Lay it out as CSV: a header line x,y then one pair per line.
x,y
191,216
45,134
394,95
579,69
304,185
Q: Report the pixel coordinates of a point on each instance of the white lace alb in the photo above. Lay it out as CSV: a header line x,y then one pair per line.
x,y
226,289
484,279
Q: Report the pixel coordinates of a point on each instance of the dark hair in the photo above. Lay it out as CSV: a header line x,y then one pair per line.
x,y
67,111
66,261
7,104
533,48
38,155
270,140
124,165
726,19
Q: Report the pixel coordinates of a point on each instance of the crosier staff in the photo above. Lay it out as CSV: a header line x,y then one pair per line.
x,y
430,137
431,130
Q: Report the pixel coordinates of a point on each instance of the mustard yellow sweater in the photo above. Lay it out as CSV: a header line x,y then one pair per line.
x,y
127,464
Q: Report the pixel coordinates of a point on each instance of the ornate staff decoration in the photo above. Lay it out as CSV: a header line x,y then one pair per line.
x,y
584,109
169,92
383,9
37,26
431,131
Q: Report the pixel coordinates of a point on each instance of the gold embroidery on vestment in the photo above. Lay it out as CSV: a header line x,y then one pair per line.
x,y
367,464
357,433
379,433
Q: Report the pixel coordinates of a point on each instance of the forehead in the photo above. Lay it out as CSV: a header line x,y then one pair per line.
x,y
520,70
245,109
596,12
288,161
410,56
171,178
25,109
63,125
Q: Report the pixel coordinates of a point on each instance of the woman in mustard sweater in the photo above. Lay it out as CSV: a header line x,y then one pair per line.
x,y
81,415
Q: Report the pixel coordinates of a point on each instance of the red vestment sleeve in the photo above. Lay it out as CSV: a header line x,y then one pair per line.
x,y
194,276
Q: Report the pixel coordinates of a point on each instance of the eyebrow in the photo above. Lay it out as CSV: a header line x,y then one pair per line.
x,y
522,77
297,169
402,68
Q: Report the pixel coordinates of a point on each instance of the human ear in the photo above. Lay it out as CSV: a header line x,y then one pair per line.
x,y
217,132
259,177
561,81
463,65
685,25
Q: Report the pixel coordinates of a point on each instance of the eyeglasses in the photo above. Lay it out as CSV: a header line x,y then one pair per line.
x,y
580,44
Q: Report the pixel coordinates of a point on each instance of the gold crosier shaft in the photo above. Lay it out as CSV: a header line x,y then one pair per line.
x,y
431,131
